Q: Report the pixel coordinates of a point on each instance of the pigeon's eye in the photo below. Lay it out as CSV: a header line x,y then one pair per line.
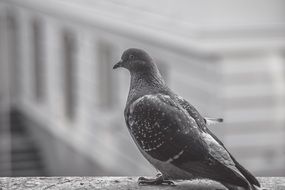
x,y
131,57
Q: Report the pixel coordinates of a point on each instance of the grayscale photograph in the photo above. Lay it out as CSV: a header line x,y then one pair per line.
x,y
133,94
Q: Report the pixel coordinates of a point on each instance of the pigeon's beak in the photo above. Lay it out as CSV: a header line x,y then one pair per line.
x,y
119,64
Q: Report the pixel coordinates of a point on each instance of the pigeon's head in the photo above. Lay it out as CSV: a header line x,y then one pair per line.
x,y
136,60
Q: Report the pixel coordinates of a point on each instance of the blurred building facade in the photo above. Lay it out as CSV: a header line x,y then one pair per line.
x,y
226,57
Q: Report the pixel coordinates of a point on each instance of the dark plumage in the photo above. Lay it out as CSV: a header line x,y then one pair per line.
x,y
171,133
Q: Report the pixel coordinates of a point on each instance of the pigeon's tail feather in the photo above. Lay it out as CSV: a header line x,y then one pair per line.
x,y
251,179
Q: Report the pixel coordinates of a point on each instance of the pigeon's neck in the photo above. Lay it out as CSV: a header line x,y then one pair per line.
x,y
145,83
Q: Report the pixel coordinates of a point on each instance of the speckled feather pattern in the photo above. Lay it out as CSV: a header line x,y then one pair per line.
x,y
150,125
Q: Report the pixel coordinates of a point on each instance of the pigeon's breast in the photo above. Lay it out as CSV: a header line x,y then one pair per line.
x,y
168,170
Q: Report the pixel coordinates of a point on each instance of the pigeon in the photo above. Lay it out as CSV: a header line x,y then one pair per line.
x,y
171,134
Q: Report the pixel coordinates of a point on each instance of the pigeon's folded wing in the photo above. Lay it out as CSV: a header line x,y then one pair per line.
x,y
175,137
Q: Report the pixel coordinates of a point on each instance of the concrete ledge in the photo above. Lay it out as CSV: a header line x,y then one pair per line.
x,y
112,183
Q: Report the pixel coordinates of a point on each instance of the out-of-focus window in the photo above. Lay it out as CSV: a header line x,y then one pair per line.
x,y
38,60
105,75
69,75
13,51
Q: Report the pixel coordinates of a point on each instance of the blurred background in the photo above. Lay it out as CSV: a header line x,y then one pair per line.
x,y
61,104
